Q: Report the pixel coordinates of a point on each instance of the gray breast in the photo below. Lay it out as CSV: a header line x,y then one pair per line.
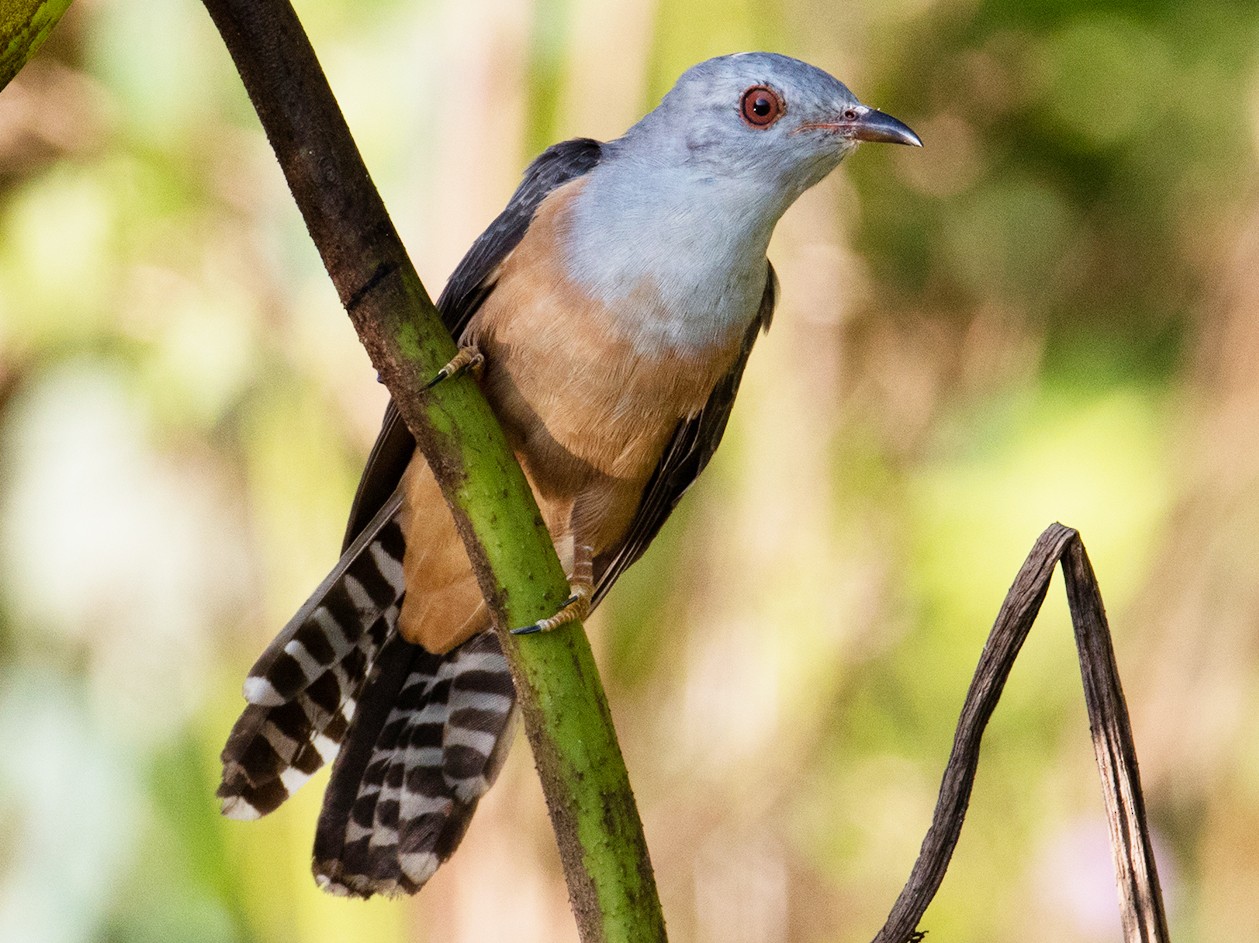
x,y
679,259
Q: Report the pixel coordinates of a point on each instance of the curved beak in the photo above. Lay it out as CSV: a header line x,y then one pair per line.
x,y
873,125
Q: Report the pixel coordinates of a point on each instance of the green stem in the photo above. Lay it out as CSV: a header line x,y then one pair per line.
x,y
24,25
609,875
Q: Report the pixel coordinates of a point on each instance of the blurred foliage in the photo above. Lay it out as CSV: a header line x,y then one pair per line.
x,y
1047,313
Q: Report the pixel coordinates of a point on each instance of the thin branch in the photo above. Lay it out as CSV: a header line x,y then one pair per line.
x,y
609,875
1141,899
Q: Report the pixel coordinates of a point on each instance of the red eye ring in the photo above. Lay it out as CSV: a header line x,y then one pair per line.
x,y
761,106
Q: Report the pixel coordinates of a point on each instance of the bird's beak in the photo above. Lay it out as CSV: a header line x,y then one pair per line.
x,y
873,125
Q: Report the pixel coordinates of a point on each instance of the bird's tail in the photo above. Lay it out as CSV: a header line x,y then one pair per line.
x,y
417,738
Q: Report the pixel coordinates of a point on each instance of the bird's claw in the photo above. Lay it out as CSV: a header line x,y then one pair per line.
x,y
574,609
468,358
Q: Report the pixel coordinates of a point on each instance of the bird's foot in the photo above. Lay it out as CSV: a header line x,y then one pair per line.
x,y
468,358
574,609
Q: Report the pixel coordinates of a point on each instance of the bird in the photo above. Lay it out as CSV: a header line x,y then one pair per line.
x,y
608,314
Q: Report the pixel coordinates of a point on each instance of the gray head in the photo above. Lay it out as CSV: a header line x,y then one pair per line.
x,y
761,117
687,200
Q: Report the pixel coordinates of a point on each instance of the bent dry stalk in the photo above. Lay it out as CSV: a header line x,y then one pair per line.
x,y
1141,900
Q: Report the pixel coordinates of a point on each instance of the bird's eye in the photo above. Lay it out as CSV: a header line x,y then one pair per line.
x,y
761,106
850,114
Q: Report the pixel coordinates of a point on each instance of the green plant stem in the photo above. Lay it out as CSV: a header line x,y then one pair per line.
x,y
24,25
605,859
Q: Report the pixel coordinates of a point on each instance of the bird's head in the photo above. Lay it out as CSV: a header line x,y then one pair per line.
x,y
763,117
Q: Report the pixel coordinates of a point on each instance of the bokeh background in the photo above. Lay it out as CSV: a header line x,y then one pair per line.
x,y
1051,312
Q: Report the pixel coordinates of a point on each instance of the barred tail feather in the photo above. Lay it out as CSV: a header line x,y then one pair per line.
x,y
272,751
429,739
415,738
302,691
366,583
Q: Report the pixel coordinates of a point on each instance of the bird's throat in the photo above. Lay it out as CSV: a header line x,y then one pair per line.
x,y
683,267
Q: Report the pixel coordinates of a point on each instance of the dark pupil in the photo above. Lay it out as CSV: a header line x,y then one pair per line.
x,y
760,107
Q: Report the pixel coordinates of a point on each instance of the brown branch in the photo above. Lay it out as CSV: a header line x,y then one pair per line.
x,y
1140,896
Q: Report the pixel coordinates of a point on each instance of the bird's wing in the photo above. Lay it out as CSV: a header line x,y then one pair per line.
x,y
685,456
469,286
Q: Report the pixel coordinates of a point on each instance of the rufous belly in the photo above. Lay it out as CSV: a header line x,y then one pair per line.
x,y
586,409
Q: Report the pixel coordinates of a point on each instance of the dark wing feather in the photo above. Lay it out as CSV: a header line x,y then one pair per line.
x,y
685,456
465,292
474,277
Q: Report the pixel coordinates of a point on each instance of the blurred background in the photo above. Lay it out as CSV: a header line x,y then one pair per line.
x,y
1048,313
